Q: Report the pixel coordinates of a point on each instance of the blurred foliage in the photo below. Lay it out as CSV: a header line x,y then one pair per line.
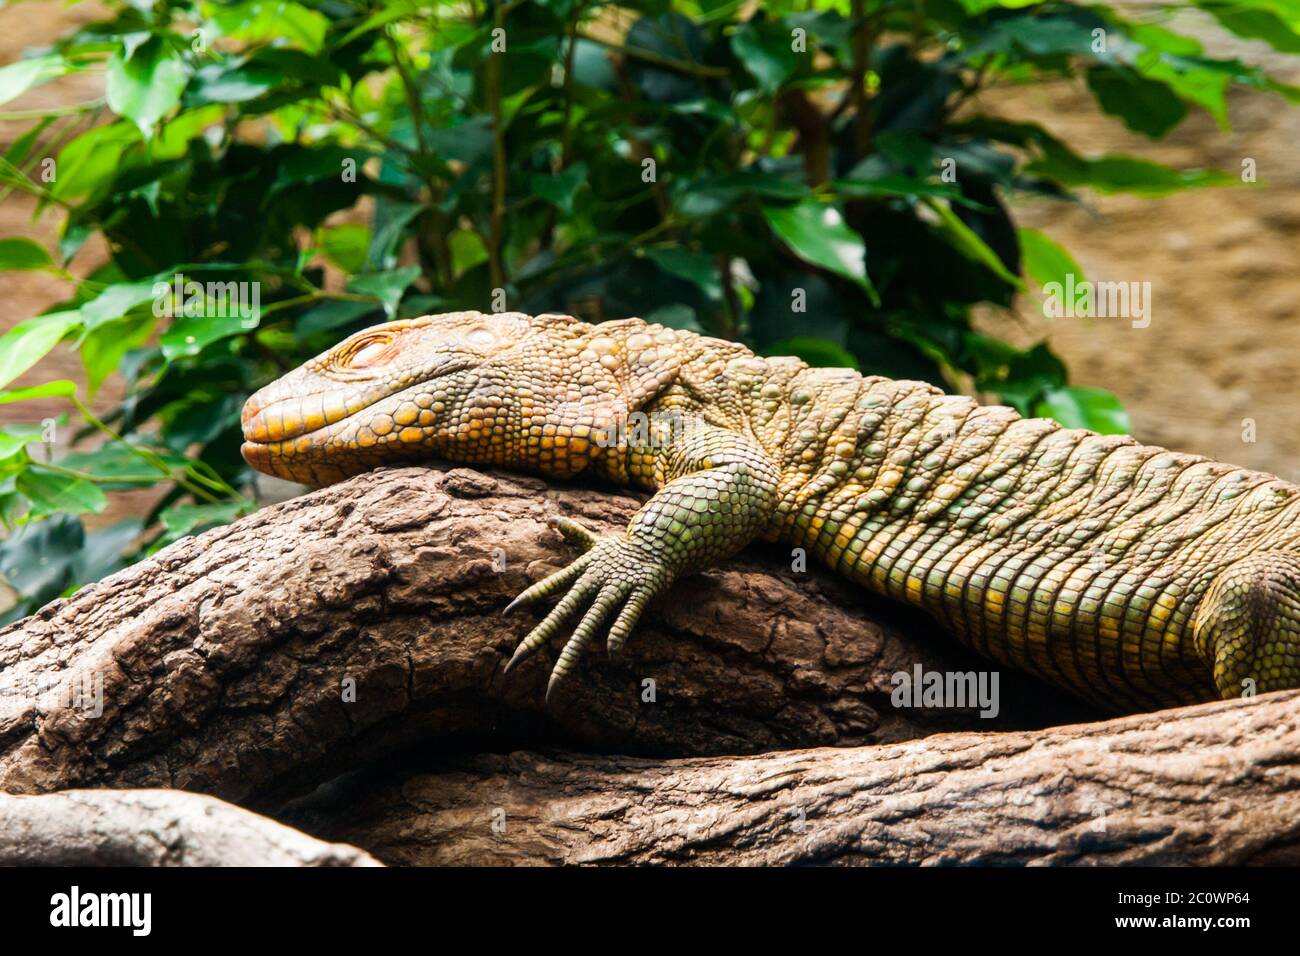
x,y
824,183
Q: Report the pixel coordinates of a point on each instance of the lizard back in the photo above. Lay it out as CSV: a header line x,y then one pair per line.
x,y
1075,556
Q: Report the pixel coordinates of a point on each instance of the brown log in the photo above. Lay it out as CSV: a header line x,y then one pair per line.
x,y
222,662
1213,784
153,828
220,666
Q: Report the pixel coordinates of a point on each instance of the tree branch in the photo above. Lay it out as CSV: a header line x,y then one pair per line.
x,y
1217,784
315,636
153,828
352,637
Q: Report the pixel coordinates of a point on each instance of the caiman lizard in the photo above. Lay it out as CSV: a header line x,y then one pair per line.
x,y
1133,576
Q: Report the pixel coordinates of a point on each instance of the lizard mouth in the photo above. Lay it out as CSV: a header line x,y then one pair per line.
x,y
295,437
280,412
271,419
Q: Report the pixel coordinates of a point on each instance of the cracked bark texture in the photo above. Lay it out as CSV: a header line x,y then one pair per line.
x,y
153,828
225,659
1215,784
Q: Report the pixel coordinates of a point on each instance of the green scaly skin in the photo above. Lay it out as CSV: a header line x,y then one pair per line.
x,y
1133,576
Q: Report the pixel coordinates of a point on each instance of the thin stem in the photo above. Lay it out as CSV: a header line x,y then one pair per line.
x,y
412,91
862,38
566,124
657,59
97,479
496,234
53,111
145,454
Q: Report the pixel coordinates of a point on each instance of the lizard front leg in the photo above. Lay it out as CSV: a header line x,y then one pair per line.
x,y
717,491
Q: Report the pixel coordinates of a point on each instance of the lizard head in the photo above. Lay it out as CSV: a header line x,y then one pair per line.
x,y
542,394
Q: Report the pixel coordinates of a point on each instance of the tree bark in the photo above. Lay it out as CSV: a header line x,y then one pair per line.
x,y
153,828
1217,784
339,640
260,659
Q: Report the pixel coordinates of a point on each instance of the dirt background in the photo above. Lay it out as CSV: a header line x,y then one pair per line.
x,y
1224,337
1223,341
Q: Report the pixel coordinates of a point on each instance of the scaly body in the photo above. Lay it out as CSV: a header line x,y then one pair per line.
x,y
1133,576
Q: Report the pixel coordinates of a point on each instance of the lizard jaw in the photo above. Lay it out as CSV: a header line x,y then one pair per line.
x,y
320,436
291,409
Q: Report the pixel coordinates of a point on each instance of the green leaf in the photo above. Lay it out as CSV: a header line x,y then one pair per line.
x,y
817,234
558,189
273,21
118,465
1257,24
146,82
102,553
39,561
299,167
50,492
1125,174
104,346
21,147
979,6
17,78
1055,31
990,356
28,342
1145,105
1029,375
180,520
1207,87
392,11
219,83
329,315
592,67
816,352
390,222
695,267
345,245
707,195
1091,408
174,139
467,250
199,418
676,316
119,299
23,254
767,54
1044,261
387,287
15,436
672,36
89,162
971,245
191,334
61,388
901,186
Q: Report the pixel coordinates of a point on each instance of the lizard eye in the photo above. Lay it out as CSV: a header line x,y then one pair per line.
x,y
480,337
368,353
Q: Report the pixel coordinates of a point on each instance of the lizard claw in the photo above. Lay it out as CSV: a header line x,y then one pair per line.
x,y
614,575
574,533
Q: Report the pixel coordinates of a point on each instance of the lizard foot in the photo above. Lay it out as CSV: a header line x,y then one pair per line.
x,y
613,573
